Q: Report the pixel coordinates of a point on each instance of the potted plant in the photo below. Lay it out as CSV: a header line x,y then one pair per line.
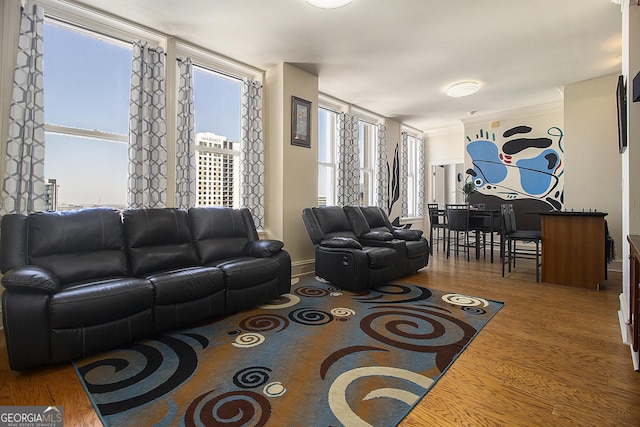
x,y
468,189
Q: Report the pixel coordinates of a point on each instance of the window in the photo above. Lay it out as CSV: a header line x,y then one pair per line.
x,y
217,109
87,88
367,149
415,174
326,157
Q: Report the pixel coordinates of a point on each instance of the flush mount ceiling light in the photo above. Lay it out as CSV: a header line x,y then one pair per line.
x,y
462,89
329,4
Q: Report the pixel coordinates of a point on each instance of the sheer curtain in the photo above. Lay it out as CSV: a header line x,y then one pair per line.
x,y
23,189
420,178
348,170
252,152
382,168
404,173
147,129
186,139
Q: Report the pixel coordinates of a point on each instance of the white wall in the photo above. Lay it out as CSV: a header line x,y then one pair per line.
x,y
291,171
443,147
593,172
630,159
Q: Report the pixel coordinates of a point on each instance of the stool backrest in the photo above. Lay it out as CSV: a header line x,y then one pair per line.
x,y
458,217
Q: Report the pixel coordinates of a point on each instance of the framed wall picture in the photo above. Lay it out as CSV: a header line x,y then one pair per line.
x,y
300,122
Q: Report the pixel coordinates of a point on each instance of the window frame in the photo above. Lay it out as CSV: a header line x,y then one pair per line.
x,y
83,28
367,140
101,36
329,165
223,68
412,177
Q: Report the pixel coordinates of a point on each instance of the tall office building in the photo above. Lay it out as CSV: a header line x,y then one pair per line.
x,y
51,195
217,180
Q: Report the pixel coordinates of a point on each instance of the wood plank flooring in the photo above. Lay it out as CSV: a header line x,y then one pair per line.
x,y
553,356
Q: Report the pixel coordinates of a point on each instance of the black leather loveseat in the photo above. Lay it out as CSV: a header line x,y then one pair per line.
x,y
357,248
80,282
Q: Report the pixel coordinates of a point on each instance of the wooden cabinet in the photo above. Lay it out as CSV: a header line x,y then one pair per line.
x,y
573,248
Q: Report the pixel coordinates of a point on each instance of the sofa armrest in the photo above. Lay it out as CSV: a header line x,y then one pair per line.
x,y
405,234
341,242
31,278
264,248
381,236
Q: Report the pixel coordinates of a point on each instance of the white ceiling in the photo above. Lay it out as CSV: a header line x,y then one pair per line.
x,y
395,58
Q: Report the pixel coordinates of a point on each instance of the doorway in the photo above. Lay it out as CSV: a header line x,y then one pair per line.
x,y
447,179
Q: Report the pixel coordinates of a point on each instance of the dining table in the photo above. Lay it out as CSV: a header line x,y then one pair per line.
x,y
489,219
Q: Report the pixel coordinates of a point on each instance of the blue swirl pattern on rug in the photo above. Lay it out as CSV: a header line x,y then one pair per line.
x,y
316,356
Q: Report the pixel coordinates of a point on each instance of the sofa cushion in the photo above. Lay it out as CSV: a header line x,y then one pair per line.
x,y
187,284
102,301
221,233
78,245
158,240
333,221
357,220
376,218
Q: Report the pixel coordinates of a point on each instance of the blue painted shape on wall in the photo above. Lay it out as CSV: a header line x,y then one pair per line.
x,y
486,160
536,173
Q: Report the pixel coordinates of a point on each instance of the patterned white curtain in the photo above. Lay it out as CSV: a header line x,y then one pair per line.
x,y
382,168
420,178
147,129
252,152
348,170
185,139
404,174
23,189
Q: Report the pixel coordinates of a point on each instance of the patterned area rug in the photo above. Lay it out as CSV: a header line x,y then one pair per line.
x,y
319,356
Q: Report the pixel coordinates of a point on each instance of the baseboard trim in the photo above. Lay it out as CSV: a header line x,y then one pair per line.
x,y
299,268
627,333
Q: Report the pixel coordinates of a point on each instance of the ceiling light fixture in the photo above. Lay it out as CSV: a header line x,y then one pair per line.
x,y
462,89
329,4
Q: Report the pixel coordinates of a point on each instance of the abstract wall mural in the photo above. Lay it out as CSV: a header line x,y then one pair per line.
x,y
520,164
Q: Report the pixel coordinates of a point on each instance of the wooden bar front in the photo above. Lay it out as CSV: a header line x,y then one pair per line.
x,y
573,248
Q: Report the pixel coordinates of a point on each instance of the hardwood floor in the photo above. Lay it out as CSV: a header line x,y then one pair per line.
x,y
552,356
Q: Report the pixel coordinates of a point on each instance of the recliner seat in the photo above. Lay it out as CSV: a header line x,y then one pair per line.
x,y
353,256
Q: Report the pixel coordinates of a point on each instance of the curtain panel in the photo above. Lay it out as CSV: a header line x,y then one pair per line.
x,y
252,152
404,174
382,168
348,168
23,189
420,178
147,129
185,138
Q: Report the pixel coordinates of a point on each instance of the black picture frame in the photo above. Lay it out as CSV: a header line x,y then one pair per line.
x,y
300,122
621,103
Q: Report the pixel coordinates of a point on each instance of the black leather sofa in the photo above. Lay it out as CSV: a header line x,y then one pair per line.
x,y
357,247
80,282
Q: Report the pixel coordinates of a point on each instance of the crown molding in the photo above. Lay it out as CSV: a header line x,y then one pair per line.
x,y
445,130
553,107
